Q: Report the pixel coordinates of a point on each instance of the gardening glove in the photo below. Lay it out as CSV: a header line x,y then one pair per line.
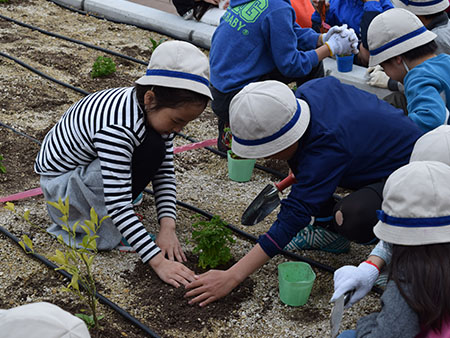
x,y
353,38
339,45
377,77
349,277
333,30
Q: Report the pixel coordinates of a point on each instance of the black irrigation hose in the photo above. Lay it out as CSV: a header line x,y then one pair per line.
x,y
34,70
20,133
108,51
102,299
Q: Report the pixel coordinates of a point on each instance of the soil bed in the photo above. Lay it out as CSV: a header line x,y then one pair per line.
x,y
32,105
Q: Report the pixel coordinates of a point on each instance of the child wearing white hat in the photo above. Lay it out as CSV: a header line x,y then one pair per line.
x,y
401,44
432,146
109,145
331,135
260,40
433,16
415,219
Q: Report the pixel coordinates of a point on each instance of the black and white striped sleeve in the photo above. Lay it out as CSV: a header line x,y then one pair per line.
x,y
164,184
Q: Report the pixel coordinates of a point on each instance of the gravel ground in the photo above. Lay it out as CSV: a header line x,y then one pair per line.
x,y
33,105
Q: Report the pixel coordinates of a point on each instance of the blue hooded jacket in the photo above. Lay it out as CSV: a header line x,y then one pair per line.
x,y
256,37
351,12
353,139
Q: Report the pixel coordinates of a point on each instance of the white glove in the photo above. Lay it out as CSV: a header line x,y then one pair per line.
x,y
377,77
333,30
349,277
353,38
339,45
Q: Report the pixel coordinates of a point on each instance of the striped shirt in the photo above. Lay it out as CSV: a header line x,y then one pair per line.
x,y
109,125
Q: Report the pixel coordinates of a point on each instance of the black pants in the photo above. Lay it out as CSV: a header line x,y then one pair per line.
x,y
359,213
221,101
147,159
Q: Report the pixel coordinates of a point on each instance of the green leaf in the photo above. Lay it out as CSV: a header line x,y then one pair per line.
x,y
94,218
10,206
26,215
86,229
28,242
74,282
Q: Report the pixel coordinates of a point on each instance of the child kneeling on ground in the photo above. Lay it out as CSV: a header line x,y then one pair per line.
x,y
351,139
108,146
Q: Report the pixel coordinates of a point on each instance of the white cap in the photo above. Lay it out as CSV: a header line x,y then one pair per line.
x,y
178,64
266,118
415,208
41,320
433,146
395,32
422,7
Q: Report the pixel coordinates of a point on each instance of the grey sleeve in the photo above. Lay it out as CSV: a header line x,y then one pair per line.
x,y
383,250
396,318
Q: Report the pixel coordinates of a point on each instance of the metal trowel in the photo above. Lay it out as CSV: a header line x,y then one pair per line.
x,y
266,201
336,312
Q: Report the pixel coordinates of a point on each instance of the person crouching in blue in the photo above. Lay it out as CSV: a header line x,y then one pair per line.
x,y
331,134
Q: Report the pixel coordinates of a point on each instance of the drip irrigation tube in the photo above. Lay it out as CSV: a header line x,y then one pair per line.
x,y
108,51
48,77
20,133
102,299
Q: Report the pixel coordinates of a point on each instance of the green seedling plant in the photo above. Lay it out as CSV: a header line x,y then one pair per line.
x,y
77,261
103,66
4,1
228,139
2,167
212,239
155,43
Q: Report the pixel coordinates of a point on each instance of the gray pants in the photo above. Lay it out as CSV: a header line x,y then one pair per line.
x,y
84,187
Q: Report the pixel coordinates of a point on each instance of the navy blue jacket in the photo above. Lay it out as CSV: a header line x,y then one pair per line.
x,y
353,139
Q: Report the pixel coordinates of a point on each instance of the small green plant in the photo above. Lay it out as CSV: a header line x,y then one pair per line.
x,y
212,239
2,167
4,1
78,261
103,66
156,43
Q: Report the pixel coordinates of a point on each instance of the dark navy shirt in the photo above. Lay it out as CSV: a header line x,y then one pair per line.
x,y
353,139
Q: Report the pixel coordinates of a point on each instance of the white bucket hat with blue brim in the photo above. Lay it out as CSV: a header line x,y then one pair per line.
x,y
266,118
395,32
415,208
422,7
178,64
433,146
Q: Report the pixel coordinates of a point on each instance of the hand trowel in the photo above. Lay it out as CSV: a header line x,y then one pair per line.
x,y
266,201
336,312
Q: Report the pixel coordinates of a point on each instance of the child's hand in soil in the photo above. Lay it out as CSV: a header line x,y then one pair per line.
x,y
168,242
171,272
210,286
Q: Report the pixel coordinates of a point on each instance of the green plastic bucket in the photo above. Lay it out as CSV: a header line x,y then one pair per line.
x,y
295,280
240,170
